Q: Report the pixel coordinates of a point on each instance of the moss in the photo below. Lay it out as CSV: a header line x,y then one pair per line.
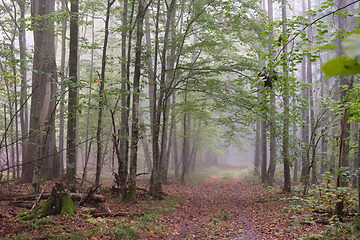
x,y
45,208
131,193
41,211
67,204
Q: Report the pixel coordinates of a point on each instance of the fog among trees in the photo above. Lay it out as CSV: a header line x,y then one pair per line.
x,y
156,91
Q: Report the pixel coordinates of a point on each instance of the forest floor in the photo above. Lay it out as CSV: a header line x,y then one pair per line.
x,y
223,206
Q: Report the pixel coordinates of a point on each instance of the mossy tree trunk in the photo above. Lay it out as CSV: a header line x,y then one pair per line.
x,y
58,202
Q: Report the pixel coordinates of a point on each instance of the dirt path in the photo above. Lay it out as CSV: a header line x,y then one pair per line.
x,y
231,209
214,209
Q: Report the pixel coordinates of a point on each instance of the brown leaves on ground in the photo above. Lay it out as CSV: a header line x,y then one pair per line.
x,y
216,209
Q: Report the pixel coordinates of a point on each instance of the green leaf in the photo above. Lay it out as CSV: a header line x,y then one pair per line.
x,y
326,47
352,45
341,66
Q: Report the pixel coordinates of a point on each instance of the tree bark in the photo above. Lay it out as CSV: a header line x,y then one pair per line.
x,y
135,103
72,102
305,115
257,159
272,143
41,150
287,178
62,69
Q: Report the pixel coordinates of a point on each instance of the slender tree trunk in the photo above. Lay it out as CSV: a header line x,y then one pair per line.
x,y
272,143
6,145
175,145
24,119
186,146
152,86
305,115
295,156
73,102
125,104
135,103
286,159
311,104
345,125
99,155
62,112
257,158
11,127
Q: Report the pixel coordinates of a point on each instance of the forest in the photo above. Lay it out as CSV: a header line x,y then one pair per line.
x,y
165,119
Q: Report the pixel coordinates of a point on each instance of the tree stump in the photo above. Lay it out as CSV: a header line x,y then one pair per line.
x,y
58,202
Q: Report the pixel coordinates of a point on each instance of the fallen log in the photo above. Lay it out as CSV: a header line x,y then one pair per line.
x,y
93,197
22,204
24,197
74,196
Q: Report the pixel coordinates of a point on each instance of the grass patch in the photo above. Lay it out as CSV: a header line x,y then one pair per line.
x,y
229,174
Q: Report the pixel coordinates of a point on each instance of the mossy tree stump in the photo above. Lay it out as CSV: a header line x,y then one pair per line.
x,y
58,202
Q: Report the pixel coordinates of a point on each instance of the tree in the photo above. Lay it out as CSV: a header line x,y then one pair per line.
x,y
160,109
62,89
135,103
102,99
42,159
286,155
72,101
272,121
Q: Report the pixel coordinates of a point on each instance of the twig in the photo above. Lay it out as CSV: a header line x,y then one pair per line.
x,y
39,197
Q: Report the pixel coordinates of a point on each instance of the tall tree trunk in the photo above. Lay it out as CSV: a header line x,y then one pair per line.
x,y
152,86
73,102
62,69
272,143
99,155
345,125
305,115
286,156
135,103
24,119
161,107
169,80
41,150
125,102
311,105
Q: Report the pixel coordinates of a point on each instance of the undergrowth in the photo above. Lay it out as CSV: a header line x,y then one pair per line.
x,y
319,207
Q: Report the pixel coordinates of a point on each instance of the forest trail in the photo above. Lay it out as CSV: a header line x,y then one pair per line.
x,y
231,208
214,209
223,206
